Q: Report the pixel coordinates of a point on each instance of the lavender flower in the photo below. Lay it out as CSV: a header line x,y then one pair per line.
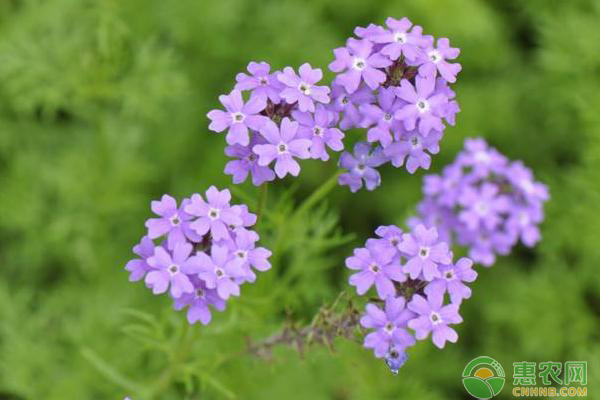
x,y
138,267
399,41
282,146
424,105
485,202
171,270
359,62
436,61
198,302
361,167
377,266
173,222
238,117
321,131
434,317
247,163
217,272
302,89
451,281
389,327
215,215
426,253
260,81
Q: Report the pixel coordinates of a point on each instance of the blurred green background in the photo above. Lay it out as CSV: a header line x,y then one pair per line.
x,y
102,109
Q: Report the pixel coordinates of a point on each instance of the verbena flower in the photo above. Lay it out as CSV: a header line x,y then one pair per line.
x,y
389,325
424,105
320,128
172,270
485,202
260,82
246,163
238,117
425,251
434,317
282,146
452,281
436,61
361,167
213,215
377,266
173,221
203,269
398,40
302,89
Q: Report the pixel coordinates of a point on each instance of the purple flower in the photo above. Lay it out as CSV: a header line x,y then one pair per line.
x,y
482,207
369,32
217,272
302,89
173,222
523,224
426,252
198,302
424,105
390,236
238,117
435,60
376,266
247,163
348,104
282,146
215,215
139,267
389,325
411,147
361,167
260,81
247,255
359,63
434,317
321,131
399,41
382,115
171,270
453,276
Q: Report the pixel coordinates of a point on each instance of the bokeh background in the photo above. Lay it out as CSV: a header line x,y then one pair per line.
x,y
102,109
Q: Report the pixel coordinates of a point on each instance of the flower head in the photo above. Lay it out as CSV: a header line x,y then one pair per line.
x,y
213,215
434,317
425,251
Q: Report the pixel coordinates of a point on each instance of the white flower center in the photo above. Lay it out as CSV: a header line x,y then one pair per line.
x,y
359,63
435,318
252,157
213,213
304,88
400,37
415,142
238,117
175,220
200,293
263,81
282,148
482,157
449,275
173,269
374,268
482,208
317,130
389,328
424,252
241,254
434,56
219,272
422,106
387,117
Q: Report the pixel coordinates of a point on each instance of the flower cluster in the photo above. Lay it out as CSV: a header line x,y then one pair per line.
x,y
413,276
200,251
393,81
484,202
284,118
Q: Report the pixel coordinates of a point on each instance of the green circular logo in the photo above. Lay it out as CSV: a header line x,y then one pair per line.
x,y
483,377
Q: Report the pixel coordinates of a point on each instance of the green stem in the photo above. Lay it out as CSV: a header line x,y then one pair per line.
x,y
318,194
262,200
